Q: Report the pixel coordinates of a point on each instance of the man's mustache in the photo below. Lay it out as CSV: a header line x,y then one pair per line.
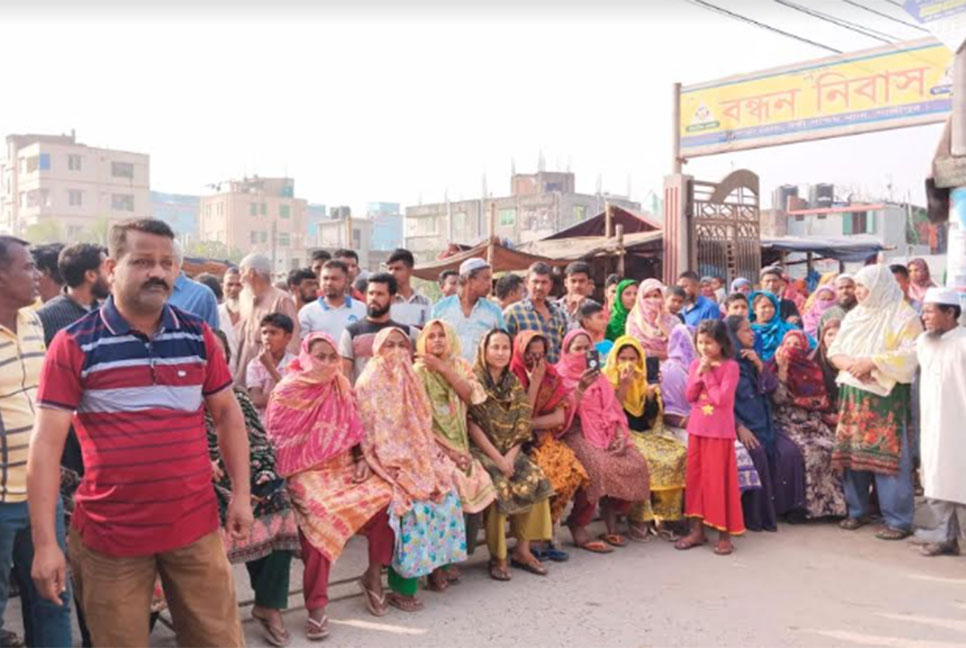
x,y
155,282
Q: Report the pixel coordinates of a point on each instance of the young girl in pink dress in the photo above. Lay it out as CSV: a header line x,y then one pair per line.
x,y
712,496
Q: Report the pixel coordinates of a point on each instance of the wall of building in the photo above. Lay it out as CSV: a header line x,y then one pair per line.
x,y
180,211
332,235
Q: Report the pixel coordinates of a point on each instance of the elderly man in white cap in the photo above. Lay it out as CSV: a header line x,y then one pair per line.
x,y
259,298
844,297
942,359
469,311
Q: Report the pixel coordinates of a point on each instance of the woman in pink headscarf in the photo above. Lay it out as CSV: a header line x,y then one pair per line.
x,y
599,436
649,321
823,300
919,279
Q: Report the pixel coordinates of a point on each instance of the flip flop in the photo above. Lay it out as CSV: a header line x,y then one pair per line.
x,y
851,523
274,635
596,546
533,567
613,539
453,574
375,603
686,543
637,535
316,630
404,603
554,554
499,572
723,549
438,583
893,534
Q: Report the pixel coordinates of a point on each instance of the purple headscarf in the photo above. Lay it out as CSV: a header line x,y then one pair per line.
x,y
674,371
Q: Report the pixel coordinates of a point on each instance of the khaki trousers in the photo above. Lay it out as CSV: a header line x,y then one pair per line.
x,y
115,593
534,524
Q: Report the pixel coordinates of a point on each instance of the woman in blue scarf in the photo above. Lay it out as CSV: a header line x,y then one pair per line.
x,y
777,459
769,327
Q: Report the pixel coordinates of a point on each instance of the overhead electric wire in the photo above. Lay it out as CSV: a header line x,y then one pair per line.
x,y
884,15
845,24
752,21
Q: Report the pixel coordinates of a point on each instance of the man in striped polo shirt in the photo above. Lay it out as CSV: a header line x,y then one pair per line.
x,y
46,623
135,377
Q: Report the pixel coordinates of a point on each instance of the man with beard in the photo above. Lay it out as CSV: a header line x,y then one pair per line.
x,y
942,359
697,307
845,297
191,296
303,284
355,345
85,284
136,378
231,287
334,310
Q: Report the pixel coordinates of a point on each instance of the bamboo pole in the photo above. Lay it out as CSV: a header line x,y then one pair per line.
x,y
491,233
620,249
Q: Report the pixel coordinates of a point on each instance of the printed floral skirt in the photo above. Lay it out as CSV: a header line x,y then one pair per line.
x,y
868,435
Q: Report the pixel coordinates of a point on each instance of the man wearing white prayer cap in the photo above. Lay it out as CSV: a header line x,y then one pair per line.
x,y
844,297
942,360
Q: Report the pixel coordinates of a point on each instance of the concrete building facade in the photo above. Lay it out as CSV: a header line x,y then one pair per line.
x,y
347,231
257,215
58,183
387,225
180,211
539,205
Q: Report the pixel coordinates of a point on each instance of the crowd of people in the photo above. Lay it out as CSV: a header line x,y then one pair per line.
x,y
160,428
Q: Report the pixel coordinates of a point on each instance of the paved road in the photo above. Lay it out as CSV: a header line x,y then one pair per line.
x,y
810,585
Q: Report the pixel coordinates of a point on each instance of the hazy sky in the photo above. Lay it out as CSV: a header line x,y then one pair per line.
x,y
403,101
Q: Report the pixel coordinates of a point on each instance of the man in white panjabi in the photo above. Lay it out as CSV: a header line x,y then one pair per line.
x,y
942,359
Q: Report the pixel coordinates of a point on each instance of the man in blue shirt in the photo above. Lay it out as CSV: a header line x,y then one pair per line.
x,y
469,311
191,296
696,307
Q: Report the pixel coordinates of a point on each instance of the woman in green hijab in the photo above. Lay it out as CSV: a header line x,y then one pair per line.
x,y
623,303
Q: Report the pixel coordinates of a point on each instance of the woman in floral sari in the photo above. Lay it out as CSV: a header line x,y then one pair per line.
x,y
553,411
451,387
875,353
314,427
600,438
401,447
267,552
666,456
649,321
801,401
499,428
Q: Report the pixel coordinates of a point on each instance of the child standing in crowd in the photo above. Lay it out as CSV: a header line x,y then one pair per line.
x,y
268,368
736,304
711,495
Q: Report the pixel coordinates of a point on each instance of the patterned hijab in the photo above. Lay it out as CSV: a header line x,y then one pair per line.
x,y
449,410
674,371
601,415
768,335
874,327
397,417
311,416
618,313
806,384
636,395
649,321
552,393
917,291
505,416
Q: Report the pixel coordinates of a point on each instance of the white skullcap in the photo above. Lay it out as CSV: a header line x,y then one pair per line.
x,y
943,296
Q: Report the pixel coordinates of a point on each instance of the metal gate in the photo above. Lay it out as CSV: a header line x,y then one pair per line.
x,y
726,227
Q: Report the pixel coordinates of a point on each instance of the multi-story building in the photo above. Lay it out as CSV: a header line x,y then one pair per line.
x,y
315,214
180,211
61,185
540,204
342,230
387,225
257,215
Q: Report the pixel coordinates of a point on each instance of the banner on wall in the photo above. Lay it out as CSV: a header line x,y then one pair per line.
x,y
899,85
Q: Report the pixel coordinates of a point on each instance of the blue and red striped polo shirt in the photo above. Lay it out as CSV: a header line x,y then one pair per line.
x,y
139,417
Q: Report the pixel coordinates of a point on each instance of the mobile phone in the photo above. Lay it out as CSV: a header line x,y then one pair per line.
x,y
653,370
593,359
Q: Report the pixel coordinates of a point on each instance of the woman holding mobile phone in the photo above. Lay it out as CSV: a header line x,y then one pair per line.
x,y
599,436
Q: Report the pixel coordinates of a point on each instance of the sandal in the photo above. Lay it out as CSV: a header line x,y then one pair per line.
x,y
664,533
533,567
437,581
404,603
375,603
688,542
453,575
613,539
316,630
893,534
723,548
940,549
499,571
851,523
275,635
596,546
554,554
638,535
